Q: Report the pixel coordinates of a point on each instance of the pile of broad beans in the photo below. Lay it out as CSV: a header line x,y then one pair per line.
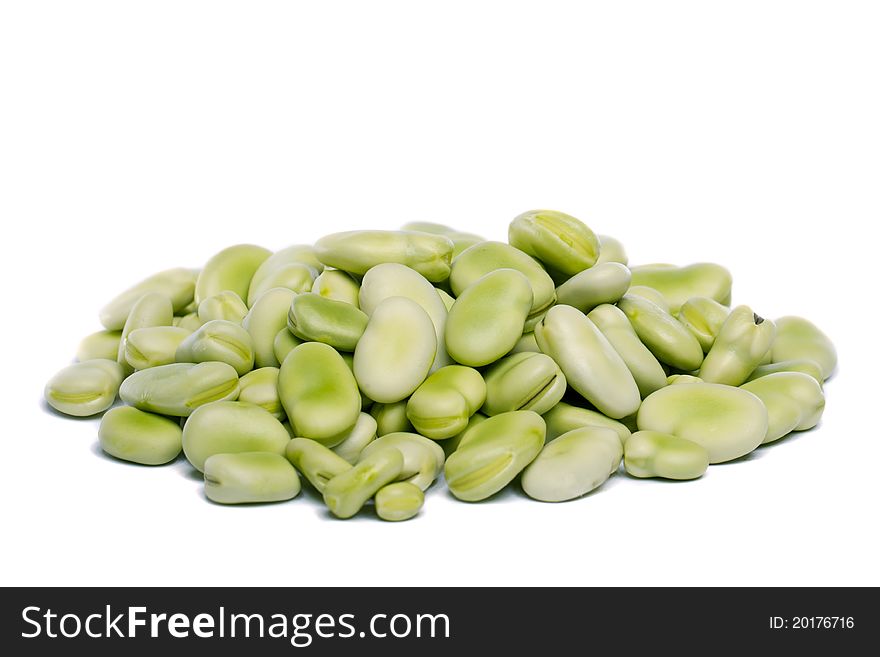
x,y
373,361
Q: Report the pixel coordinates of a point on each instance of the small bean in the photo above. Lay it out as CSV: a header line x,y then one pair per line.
x,y
574,464
249,477
655,454
85,388
229,428
399,501
140,437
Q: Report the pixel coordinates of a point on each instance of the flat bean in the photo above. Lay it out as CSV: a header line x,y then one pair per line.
x,y
140,437
85,388
250,477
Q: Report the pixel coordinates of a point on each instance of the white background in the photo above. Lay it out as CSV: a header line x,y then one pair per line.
x,y
140,136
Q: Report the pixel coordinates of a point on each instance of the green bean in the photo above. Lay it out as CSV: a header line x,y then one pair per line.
x,y
220,341
101,344
85,388
180,388
486,257
797,337
497,450
268,316
399,501
604,283
590,364
564,417
358,250
523,382
230,427
678,284
153,346
665,336
140,437
319,393
558,240
249,477
223,305
655,454
574,464
396,351
260,387
487,319
442,405
336,323
794,402
729,422
178,285
230,269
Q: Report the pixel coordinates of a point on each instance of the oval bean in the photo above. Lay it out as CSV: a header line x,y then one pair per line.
x,y
794,402
481,259
250,477
523,382
665,336
590,364
615,326
442,405
178,285
396,351
180,388
797,337
230,427
496,451
85,388
604,283
399,501
101,344
319,393
153,346
655,454
396,280
233,268
358,250
218,341
574,464
336,323
729,422
678,284
260,387
226,305
557,239
487,319
268,316
140,437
